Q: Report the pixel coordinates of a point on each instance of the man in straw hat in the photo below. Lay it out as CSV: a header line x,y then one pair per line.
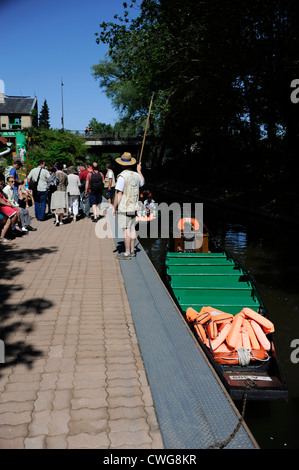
x,y
126,200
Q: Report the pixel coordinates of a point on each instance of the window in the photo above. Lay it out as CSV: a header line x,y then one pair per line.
x,y
15,122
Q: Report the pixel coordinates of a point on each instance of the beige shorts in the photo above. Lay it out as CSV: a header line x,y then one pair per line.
x,y
126,220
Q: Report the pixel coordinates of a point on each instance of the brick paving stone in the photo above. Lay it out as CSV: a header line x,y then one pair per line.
x,y
129,402
89,426
89,441
135,412
129,438
79,381
34,442
9,444
40,423
56,442
128,424
65,381
8,431
44,400
16,407
59,422
62,399
13,419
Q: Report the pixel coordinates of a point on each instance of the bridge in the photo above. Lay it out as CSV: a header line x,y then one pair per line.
x,y
99,144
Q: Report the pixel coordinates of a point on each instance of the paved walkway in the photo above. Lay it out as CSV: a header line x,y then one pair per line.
x,y
73,376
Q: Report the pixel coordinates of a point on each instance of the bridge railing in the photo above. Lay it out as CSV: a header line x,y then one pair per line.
x,y
109,137
89,134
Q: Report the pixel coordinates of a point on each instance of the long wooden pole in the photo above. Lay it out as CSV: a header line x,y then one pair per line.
x,y
147,121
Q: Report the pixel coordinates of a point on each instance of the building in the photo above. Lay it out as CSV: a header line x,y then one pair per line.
x,y
16,113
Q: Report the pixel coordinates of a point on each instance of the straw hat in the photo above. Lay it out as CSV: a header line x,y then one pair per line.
x,y
126,159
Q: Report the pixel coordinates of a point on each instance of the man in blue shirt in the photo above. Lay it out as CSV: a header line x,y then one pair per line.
x,y
13,172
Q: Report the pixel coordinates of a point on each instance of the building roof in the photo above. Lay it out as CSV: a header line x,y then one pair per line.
x,y
17,105
3,140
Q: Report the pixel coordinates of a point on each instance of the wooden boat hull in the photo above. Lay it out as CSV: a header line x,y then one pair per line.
x,y
218,280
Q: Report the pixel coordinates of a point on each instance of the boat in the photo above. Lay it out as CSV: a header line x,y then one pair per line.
x,y
216,295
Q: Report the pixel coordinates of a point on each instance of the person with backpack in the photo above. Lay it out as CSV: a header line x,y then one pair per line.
x,y
38,177
95,182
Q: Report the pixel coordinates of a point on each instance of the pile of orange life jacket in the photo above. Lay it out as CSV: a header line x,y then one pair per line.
x,y
224,334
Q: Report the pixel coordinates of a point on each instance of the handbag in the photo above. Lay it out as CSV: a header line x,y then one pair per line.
x,y
33,184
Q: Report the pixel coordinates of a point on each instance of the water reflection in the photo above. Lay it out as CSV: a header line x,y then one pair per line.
x,y
269,253
235,239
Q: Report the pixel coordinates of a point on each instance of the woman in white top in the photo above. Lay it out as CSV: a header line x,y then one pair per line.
x,y
73,192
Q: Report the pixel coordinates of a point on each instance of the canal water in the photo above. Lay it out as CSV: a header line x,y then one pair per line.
x,y
269,252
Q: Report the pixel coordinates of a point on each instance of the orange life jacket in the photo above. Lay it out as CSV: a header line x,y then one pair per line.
x,y
252,337
261,336
233,335
233,357
225,334
266,324
200,317
200,331
215,343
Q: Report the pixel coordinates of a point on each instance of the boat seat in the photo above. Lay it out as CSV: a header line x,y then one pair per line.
x,y
202,269
213,281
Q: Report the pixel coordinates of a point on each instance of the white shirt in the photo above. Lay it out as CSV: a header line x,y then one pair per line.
x,y
9,193
73,185
44,176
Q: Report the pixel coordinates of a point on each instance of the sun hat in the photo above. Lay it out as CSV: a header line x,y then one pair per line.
x,y
126,159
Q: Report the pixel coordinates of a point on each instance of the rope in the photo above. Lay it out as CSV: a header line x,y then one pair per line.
x,y
244,356
261,360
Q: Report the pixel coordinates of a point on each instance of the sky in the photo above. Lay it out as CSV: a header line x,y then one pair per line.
x,y
44,42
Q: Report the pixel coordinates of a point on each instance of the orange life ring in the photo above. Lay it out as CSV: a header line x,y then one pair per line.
x,y
193,222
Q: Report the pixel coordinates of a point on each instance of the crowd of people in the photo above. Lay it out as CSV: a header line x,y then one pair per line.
x,y
68,193
59,192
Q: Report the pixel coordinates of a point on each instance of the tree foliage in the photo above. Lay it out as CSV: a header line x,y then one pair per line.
x,y
54,146
221,73
100,128
44,116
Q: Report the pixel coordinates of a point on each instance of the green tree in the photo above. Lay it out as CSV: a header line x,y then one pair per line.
x,y
100,128
221,73
55,146
44,116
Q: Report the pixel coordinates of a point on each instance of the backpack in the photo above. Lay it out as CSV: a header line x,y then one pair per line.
x,y
82,185
96,182
53,182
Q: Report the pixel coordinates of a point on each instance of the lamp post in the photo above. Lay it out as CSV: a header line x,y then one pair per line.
x,y
62,121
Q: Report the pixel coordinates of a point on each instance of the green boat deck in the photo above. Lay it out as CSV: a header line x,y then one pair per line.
x,y
209,279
